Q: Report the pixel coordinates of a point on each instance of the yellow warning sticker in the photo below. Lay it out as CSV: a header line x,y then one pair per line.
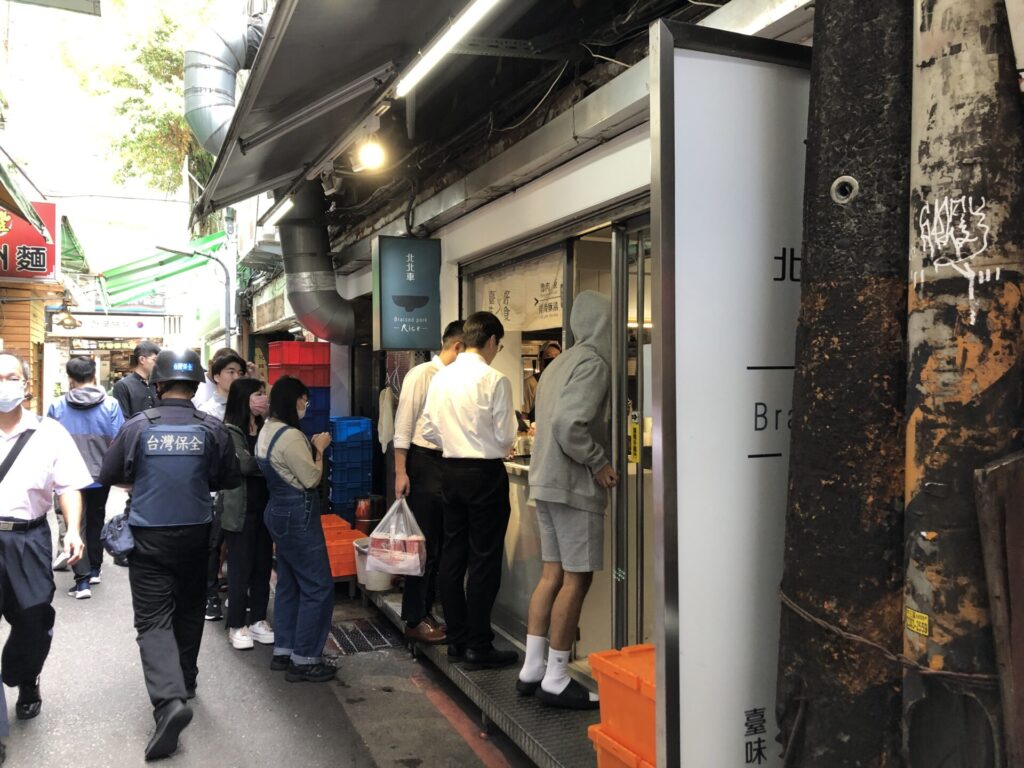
x,y
634,442
917,622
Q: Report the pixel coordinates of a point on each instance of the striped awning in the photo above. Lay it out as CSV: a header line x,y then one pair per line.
x,y
142,277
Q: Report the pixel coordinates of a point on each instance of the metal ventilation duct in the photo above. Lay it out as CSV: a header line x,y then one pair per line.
x,y
212,64
309,270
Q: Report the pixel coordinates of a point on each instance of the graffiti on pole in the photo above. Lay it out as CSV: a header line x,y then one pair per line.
x,y
954,232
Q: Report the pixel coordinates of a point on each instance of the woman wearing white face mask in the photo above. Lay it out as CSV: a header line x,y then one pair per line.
x,y
304,600
250,548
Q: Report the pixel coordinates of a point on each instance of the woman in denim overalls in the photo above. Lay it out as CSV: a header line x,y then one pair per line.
x,y
304,600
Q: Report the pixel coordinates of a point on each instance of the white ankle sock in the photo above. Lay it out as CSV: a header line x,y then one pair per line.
x,y
533,667
556,678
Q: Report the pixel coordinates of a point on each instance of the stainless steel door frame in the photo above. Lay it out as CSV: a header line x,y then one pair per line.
x,y
620,434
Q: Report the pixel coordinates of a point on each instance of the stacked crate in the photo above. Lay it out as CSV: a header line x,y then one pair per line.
x,y
625,736
338,535
351,456
308,361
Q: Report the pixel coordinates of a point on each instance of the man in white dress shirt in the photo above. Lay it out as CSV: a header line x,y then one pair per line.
x,y
470,416
418,470
32,468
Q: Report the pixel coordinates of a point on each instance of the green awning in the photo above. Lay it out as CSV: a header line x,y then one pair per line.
x,y
141,278
72,255
14,201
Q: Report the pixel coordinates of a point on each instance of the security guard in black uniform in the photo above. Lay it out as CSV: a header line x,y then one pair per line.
x,y
172,456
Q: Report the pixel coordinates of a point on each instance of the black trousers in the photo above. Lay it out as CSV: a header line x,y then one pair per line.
x,y
426,500
167,573
250,559
26,594
94,511
213,556
476,512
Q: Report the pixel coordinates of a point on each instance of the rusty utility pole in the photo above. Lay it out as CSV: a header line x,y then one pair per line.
x,y
964,390
838,700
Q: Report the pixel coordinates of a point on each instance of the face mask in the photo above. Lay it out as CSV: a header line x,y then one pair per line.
x,y
302,413
258,404
12,394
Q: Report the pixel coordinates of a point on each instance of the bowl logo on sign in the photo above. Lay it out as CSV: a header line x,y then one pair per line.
x,y
6,222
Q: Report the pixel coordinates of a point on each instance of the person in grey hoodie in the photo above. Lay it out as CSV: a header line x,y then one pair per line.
x,y
570,474
93,420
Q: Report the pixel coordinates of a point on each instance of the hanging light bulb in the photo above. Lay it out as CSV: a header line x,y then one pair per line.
x,y
369,156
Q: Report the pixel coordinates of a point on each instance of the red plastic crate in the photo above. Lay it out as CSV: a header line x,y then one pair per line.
x,y
310,375
298,353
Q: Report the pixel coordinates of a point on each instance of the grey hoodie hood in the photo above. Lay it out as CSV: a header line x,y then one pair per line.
x,y
591,323
88,396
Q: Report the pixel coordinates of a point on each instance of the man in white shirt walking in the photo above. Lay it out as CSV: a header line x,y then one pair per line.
x,y
32,468
418,471
469,415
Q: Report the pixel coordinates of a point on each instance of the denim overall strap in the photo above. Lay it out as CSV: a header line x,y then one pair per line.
x,y
276,484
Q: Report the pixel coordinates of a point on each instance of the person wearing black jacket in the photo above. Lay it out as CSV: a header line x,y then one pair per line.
x,y
135,393
173,456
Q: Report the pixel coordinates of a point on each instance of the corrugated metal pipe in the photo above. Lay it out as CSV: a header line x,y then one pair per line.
x,y
212,63
309,270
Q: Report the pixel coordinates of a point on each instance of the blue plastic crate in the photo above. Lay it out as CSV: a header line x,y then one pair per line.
x,y
315,421
346,428
351,452
345,476
320,399
347,493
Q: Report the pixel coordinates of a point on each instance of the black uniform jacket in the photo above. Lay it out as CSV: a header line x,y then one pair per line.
x,y
119,463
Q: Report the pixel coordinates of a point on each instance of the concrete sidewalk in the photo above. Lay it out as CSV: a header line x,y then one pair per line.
x,y
385,709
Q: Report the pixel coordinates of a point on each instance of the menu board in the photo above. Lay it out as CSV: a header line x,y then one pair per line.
x,y
526,296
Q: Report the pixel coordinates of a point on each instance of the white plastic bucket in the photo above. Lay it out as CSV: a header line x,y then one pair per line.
x,y
371,581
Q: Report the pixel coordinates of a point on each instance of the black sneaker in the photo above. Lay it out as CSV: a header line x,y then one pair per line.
x,y
489,658
121,560
213,611
310,673
280,662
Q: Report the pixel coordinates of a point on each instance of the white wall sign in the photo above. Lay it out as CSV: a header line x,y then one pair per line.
x,y
103,326
525,296
740,127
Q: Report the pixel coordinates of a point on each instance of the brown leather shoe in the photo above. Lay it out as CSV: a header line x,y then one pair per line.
x,y
432,621
425,633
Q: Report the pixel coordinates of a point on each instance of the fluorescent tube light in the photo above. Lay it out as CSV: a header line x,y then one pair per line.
x,y
286,205
463,24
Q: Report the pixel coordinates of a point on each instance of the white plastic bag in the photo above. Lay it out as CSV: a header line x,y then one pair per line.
x,y
397,544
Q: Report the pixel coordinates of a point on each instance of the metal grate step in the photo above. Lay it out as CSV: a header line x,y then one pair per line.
x,y
363,635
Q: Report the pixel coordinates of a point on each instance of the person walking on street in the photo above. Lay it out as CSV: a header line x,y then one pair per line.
x,y
173,456
570,474
135,392
470,416
38,459
418,469
225,368
93,420
250,548
304,602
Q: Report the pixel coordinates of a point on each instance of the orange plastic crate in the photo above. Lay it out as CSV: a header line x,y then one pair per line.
x,y
332,522
612,754
625,684
343,568
342,536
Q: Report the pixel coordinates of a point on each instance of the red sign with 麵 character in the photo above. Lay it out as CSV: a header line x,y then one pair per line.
x,y
24,253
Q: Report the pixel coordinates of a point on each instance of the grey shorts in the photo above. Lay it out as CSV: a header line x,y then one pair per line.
x,y
570,536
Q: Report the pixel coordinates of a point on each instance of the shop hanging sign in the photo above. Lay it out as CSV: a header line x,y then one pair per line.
x,y
24,253
102,326
406,293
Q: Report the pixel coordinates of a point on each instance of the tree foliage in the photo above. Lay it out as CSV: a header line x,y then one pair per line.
x,y
157,143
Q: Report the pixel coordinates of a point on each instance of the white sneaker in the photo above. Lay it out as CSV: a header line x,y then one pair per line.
x,y
240,638
262,632
60,563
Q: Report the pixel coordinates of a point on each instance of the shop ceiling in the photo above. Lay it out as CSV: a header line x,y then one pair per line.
x,y
296,119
